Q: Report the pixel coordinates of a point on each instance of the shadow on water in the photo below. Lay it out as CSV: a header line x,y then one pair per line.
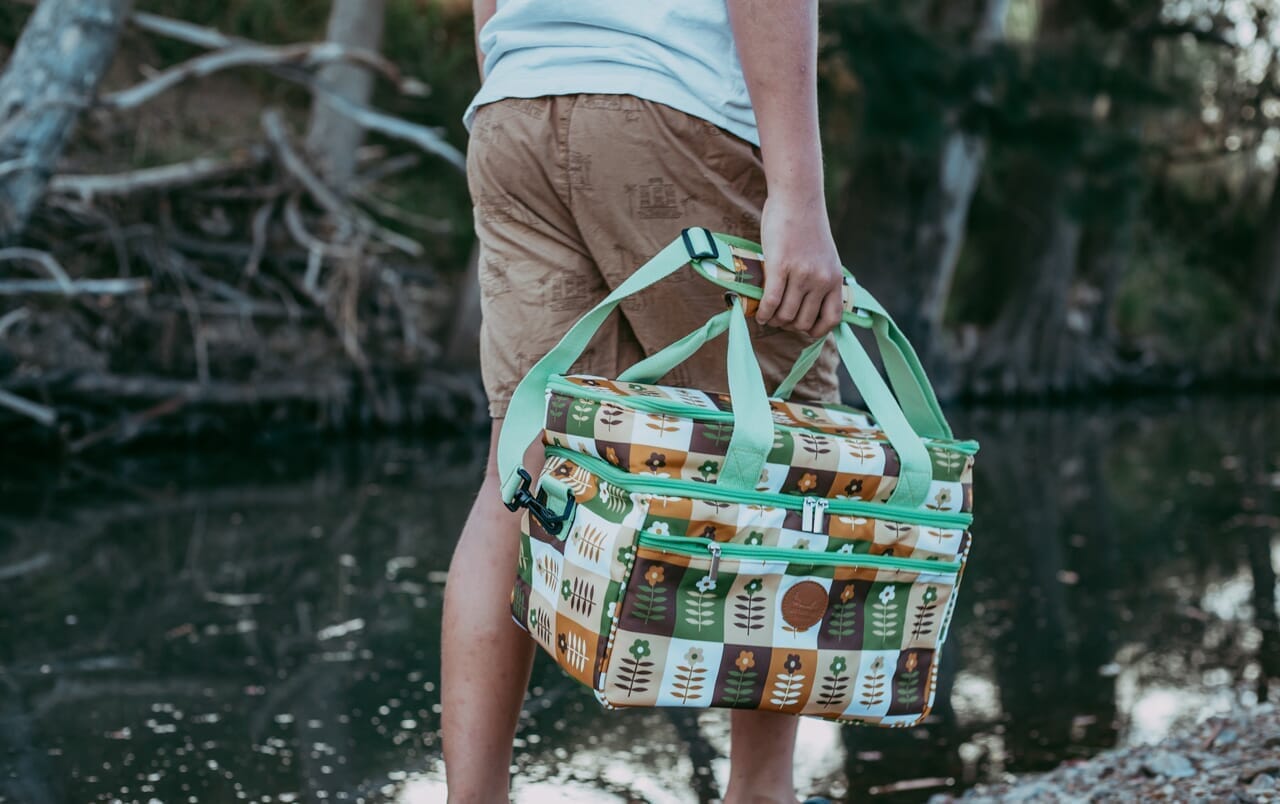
x,y
264,627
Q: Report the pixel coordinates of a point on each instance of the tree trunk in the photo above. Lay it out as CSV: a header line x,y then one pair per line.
x,y
903,221
52,75
462,350
332,139
1032,346
1267,277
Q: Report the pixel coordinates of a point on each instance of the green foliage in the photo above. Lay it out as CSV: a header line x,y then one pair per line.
x,y
1173,307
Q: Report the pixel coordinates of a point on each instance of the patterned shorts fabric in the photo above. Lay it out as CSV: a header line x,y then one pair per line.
x,y
571,193
665,590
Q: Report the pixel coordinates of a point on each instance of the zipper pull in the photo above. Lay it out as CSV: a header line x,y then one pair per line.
x,y
819,511
714,550
806,514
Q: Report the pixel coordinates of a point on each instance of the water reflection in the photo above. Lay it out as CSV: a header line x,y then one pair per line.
x,y
263,626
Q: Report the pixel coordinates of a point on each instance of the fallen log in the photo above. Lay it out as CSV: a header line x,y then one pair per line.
x,y
62,54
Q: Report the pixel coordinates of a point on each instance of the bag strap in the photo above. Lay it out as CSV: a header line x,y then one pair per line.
x,y
526,413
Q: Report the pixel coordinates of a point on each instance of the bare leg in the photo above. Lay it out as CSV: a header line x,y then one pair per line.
x,y
486,657
761,748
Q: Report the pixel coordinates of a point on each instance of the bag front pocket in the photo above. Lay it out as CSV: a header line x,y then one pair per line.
x,y
848,636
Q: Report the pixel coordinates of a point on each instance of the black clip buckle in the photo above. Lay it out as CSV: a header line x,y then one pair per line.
x,y
711,252
550,522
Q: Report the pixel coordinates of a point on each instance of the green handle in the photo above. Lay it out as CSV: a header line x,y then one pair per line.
x,y
753,420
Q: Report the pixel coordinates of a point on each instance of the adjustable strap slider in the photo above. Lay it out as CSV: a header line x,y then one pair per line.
x,y
700,244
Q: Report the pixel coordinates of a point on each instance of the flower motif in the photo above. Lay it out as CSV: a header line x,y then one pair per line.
x,y
693,656
709,468
807,482
792,664
656,574
562,643
660,529
566,591
624,555
809,413
801,544
942,498
838,665
611,455
709,532
591,382
755,537
912,661
930,594
705,584
746,660
845,549
656,461
640,649
846,594
754,585
887,594
854,488
878,664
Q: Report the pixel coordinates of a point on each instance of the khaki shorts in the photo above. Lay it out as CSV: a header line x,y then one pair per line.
x,y
574,192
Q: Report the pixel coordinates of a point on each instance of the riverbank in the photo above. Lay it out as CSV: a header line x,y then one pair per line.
x,y
1233,758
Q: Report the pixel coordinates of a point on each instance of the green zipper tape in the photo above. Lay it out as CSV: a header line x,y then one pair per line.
x,y
710,491
670,406
698,547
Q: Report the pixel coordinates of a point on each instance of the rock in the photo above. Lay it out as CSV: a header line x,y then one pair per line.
x,y
1262,783
1169,765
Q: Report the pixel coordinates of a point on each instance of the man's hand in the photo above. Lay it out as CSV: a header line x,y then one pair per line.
x,y
803,279
778,46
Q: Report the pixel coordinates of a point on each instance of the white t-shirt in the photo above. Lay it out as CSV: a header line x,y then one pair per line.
x,y
676,52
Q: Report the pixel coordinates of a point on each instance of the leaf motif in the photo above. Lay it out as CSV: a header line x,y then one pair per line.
x,y
690,680
589,542
576,651
739,686
549,570
582,598
700,608
651,602
873,689
843,620
833,689
787,689
662,422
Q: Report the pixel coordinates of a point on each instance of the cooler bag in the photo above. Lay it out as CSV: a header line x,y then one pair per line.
x,y
690,548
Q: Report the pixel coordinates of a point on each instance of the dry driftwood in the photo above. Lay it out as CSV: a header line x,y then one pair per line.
x,y
165,177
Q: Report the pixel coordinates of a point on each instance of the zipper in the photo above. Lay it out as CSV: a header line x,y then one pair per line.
x,y
811,516
710,491
670,406
694,546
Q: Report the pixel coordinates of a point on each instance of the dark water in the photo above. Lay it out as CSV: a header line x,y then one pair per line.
x,y
262,626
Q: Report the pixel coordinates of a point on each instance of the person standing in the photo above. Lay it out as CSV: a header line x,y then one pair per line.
x,y
600,131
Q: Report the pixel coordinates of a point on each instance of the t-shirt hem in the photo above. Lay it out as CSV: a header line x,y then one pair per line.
x,y
492,91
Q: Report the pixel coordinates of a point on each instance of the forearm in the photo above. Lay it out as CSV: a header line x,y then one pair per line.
x,y
482,11
778,45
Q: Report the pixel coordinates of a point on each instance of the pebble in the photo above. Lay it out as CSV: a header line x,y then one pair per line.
x,y
1210,762
1173,766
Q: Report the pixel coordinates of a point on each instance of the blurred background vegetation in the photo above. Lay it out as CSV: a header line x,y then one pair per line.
x,y
1053,198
